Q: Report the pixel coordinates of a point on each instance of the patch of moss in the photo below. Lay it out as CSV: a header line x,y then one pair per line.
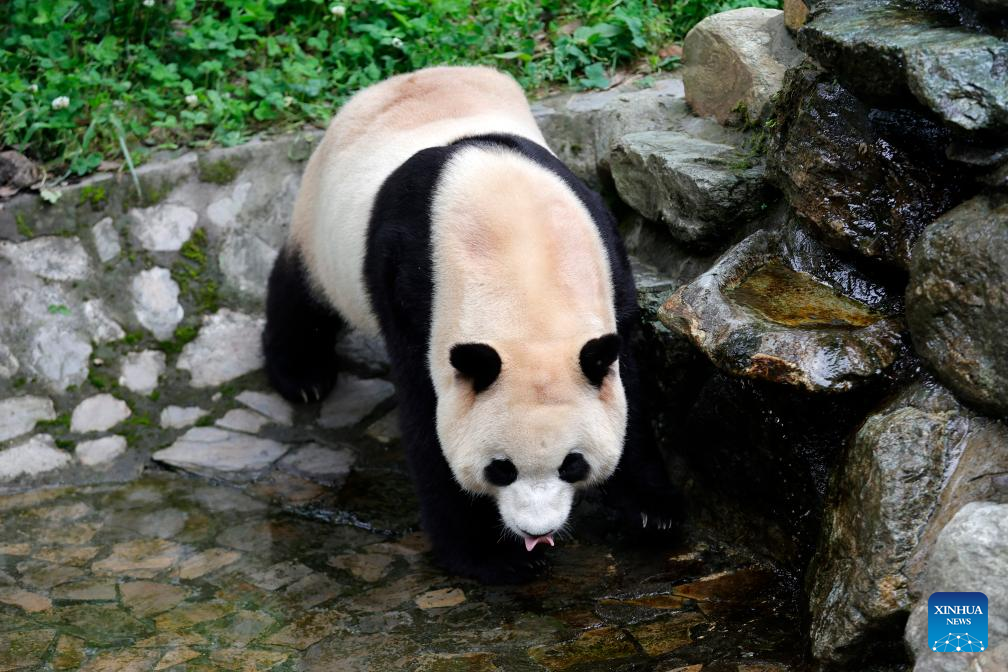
x,y
100,382
138,420
228,390
216,172
22,226
133,337
194,249
155,395
60,422
190,273
65,444
20,382
95,196
183,335
204,421
208,300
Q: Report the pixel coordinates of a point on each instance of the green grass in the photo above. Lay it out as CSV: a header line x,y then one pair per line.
x,y
188,72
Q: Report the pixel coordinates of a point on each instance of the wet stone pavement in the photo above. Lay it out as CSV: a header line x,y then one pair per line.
x,y
283,539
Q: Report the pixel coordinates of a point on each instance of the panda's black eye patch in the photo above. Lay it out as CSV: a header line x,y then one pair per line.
x,y
597,356
477,362
574,468
501,472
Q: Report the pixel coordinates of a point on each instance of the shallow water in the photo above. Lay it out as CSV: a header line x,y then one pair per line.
x,y
795,299
178,572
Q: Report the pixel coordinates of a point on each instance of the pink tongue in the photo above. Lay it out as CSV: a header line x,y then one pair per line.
x,y
530,542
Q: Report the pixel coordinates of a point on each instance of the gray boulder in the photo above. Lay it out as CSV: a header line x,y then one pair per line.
x,y
889,49
734,63
910,467
957,301
701,190
582,128
971,555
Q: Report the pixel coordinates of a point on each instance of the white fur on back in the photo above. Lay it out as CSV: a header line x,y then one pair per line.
x,y
376,132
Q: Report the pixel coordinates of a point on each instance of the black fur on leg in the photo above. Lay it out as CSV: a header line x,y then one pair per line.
x,y
300,335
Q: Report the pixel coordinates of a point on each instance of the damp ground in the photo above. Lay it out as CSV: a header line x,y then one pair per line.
x,y
173,571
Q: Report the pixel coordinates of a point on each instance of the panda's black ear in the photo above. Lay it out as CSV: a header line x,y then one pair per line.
x,y
477,362
597,356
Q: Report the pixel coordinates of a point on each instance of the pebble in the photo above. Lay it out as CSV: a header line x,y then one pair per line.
x,y
319,463
156,302
179,417
206,562
18,415
60,354
29,602
219,451
242,420
246,262
228,346
164,227
98,414
147,598
100,451
273,406
9,364
386,428
106,239
353,400
141,558
443,597
141,370
50,257
222,212
100,325
34,456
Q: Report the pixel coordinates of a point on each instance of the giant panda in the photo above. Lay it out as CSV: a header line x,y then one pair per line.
x,y
433,213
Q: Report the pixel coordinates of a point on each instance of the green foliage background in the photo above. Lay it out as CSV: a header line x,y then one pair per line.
x,y
149,74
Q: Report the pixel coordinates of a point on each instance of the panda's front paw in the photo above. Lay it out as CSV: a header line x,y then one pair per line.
x,y
655,510
650,509
300,378
306,388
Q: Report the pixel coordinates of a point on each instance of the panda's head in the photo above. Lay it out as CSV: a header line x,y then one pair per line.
x,y
530,423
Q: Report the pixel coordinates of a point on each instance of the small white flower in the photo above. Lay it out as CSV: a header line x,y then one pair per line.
x,y
288,101
337,10
191,100
33,88
60,102
397,43
148,3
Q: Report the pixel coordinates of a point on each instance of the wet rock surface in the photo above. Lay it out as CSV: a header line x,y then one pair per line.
x,y
246,578
700,190
734,62
957,301
971,551
911,466
867,179
889,50
758,313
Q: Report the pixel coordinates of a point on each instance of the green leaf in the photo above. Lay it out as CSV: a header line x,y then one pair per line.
x,y
595,77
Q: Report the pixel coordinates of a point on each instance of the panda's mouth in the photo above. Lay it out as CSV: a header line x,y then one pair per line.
x,y
531,542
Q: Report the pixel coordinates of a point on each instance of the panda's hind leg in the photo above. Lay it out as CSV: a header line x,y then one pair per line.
x,y
300,335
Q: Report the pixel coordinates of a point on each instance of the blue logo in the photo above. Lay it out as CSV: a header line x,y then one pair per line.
x,y
957,622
